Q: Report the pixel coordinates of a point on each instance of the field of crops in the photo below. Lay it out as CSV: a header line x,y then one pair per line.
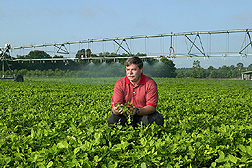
x,y
54,122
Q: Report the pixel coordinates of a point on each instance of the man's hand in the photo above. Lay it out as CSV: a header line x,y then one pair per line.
x,y
117,109
132,111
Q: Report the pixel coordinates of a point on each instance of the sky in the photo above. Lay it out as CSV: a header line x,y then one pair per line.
x,y
30,22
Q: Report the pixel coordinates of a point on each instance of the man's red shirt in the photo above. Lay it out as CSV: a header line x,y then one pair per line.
x,y
143,94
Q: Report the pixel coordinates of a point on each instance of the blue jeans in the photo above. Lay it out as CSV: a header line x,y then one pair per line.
x,y
146,119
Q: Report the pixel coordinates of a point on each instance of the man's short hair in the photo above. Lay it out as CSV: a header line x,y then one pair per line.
x,y
134,60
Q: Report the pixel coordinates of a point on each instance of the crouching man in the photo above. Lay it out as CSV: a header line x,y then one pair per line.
x,y
140,91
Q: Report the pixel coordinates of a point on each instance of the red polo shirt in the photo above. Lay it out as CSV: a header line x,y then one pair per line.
x,y
143,94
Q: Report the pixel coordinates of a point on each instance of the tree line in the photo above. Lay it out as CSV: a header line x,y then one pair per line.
x,y
85,68
222,72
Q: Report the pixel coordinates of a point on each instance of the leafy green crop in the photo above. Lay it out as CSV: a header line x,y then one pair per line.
x,y
126,107
61,124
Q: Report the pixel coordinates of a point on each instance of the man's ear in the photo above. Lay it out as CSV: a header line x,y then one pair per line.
x,y
141,70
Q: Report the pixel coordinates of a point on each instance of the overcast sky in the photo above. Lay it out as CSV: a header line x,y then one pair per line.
x,y
29,22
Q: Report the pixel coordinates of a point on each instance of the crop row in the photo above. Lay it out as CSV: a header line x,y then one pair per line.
x,y
61,124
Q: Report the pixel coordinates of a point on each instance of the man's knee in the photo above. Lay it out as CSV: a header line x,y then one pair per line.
x,y
154,117
113,119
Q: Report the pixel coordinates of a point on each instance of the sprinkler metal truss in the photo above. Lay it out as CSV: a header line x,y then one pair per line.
x,y
5,58
223,43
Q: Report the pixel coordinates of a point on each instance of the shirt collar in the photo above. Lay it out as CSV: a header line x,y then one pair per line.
x,y
141,82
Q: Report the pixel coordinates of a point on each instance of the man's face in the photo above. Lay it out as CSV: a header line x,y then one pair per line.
x,y
134,73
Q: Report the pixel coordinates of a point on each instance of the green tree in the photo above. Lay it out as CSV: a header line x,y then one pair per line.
x,y
180,74
57,56
88,54
210,68
236,73
165,69
214,74
37,54
250,67
225,72
197,71
151,61
232,67
240,65
80,53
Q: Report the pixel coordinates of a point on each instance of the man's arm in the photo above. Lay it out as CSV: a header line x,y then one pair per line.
x,y
117,98
144,110
151,99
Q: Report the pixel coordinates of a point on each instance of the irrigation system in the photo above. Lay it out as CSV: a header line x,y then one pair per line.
x,y
222,43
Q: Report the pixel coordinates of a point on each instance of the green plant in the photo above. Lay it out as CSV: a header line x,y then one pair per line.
x,y
62,123
126,108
